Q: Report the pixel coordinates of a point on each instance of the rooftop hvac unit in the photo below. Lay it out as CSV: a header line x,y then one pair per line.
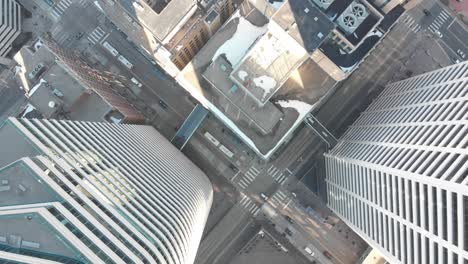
x,y
352,17
323,4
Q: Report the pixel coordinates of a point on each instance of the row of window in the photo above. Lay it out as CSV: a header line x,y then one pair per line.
x,y
424,206
432,78
432,112
441,165
421,96
402,241
122,142
451,136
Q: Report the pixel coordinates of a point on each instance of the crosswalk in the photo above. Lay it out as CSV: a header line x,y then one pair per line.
x,y
59,8
410,22
60,35
96,35
249,177
439,21
249,205
276,174
277,199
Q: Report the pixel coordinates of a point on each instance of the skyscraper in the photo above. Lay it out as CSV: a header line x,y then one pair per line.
x,y
84,192
399,175
10,26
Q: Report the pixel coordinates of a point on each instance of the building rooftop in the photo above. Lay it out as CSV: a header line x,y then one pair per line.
x,y
53,90
162,18
268,64
214,74
217,74
304,22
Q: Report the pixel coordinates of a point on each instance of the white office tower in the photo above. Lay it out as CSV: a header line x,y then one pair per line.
x,y
10,26
399,175
84,192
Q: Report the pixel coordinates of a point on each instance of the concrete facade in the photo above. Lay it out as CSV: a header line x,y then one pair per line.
x,y
88,192
398,176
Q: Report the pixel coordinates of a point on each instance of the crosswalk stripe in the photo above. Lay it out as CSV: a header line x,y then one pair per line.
x,y
245,182
55,14
279,176
272,167
254,169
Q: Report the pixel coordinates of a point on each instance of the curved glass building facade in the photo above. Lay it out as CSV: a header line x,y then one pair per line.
x,y
84,192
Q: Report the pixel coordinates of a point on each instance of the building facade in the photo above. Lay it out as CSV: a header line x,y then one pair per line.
x,y
399,175
10,27
86,192
102,83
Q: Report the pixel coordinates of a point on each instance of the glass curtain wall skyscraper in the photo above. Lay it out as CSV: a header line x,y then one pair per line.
x,y
85,192
399,175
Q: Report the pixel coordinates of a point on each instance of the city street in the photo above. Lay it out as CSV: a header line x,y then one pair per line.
x,y
250,191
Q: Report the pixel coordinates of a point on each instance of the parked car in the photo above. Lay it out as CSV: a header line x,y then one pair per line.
x,y
288,232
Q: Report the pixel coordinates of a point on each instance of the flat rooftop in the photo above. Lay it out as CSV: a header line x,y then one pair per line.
x,y
265,116
46,81
160,18
268,64
265,127
304,22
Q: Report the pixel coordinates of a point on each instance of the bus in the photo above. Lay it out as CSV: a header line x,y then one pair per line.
x,y
125,62
111,49
211,139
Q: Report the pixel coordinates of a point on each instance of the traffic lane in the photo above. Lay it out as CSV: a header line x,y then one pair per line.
x,y
459,31
451,45
152,76
321,236
297,239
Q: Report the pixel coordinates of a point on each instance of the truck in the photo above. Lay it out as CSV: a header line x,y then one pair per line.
x,y
109,48
125,62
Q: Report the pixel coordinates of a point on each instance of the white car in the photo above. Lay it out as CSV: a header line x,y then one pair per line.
x,y
136,82
461,53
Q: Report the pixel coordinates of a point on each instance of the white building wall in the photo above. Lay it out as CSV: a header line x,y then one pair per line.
x,y
399,175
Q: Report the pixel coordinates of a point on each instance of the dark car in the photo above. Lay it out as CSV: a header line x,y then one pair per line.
x,y
288,232
290,220
163,104
233,168
327,254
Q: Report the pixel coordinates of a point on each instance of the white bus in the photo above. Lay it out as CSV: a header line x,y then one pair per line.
x,y
111,49
125,62
212,139
226,151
